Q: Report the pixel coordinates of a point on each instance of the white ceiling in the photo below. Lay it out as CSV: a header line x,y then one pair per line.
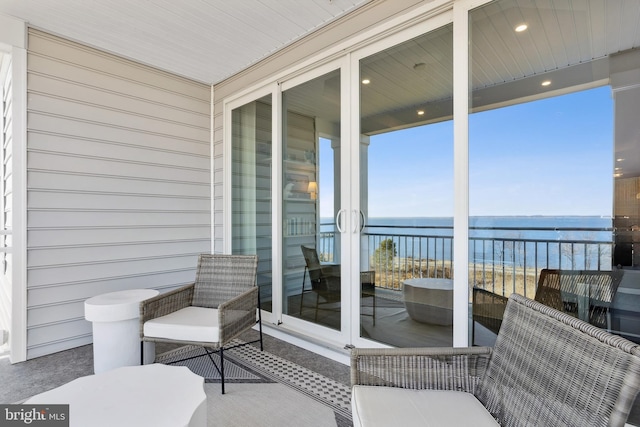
x,y
210,40
205,40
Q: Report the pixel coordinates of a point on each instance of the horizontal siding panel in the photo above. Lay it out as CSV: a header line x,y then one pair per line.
x,y
56,346
111,201
97,114
110,236
55,68
46,180
135,168
118,191
53,313
73,328
82,290
64,145
67,90
52,256
66,273
97,131
85,57
67,218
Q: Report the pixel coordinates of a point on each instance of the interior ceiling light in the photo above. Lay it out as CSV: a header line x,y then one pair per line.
x,y
546,83
420,112
366,81
520,28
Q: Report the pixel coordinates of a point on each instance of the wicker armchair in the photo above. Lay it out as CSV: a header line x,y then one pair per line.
x,y
325,282
547,369
585,294
219,306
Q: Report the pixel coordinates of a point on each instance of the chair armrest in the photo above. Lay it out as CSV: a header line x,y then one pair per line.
x,y
238,314
165,303
420,368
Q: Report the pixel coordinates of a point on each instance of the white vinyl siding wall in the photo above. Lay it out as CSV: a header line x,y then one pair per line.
x,y
118,164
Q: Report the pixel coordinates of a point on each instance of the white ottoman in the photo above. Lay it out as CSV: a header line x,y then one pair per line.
x,y
116,329
429,300
150,395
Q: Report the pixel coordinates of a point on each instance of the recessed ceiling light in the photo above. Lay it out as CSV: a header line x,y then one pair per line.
x,y
366,81
619,160
420,112
520,28
617,174
546,83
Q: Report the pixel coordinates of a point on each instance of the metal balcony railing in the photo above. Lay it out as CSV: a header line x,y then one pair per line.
x,y
499,259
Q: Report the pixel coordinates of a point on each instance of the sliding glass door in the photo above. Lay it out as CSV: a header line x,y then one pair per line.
x,y
311,265
251,189
406,192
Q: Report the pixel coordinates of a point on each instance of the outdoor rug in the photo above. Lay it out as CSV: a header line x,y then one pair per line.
x,y
266,390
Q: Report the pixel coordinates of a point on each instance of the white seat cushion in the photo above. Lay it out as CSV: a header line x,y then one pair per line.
x,y
188,324
389,406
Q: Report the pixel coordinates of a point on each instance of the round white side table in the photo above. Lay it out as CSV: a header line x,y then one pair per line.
x,y
116,329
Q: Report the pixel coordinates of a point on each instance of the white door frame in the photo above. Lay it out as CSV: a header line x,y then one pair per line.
x,y
13,41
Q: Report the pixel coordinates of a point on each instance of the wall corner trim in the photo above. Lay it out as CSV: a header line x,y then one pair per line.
x,y
13,32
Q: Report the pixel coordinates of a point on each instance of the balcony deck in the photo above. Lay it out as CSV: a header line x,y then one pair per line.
x,y
25,379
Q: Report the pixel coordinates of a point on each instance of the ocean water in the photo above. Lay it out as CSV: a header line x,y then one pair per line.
x,y
550,241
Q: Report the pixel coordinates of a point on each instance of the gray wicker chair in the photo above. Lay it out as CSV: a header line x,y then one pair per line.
x,y
547,369
219,306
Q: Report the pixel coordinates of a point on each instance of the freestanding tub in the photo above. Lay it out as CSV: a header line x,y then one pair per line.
x,y
429,300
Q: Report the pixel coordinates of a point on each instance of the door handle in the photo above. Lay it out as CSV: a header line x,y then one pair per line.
x,y
358,221
338,216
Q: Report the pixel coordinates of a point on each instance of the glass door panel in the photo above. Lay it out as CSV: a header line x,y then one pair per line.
x,y
406,188
311,262
252,189
541,155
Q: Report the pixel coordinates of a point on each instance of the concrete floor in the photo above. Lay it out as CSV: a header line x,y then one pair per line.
x,y
20,381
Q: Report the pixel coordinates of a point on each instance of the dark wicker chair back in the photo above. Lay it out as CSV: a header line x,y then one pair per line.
x,y
586,294
576,291
325,280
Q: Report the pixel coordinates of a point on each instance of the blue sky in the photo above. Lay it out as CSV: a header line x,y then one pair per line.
x,y
548,157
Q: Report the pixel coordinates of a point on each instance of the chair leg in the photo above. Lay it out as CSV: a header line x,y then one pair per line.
x,y
304,277
141,352
260,329
473,332
374,308
222,368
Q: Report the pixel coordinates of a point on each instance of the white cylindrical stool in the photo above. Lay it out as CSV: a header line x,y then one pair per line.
x,y
116,329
